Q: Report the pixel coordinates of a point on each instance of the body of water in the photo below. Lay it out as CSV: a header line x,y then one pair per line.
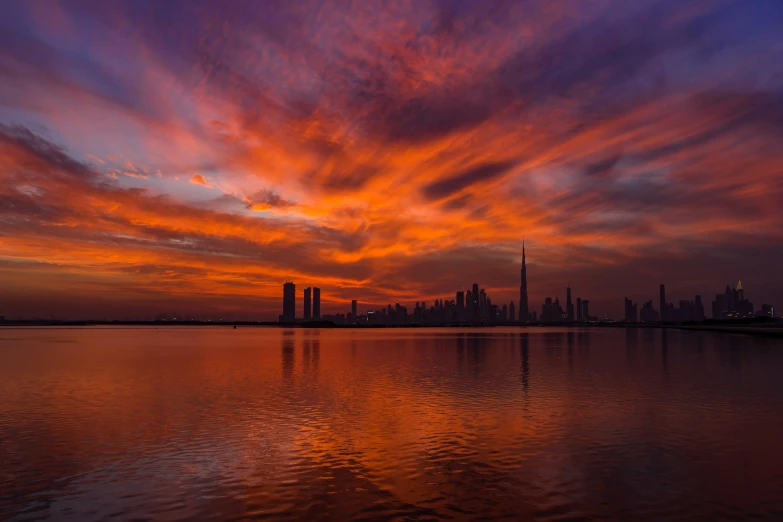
x,y
212,423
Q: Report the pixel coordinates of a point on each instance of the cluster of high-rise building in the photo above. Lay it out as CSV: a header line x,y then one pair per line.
x,y
474,306
468,307
729,305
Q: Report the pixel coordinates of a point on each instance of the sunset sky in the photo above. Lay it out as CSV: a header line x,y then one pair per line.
x,y
192,156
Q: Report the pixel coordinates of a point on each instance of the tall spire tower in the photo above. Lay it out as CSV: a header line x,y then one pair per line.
x,y
524,313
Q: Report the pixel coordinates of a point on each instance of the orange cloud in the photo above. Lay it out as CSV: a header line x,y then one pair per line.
x,y
198,179
391,155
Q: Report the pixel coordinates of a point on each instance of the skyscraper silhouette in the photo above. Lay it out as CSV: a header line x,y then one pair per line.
x,y
316,303
307,292
353,310
631,315
289,303
569,304
663,306
579,310
732,304
512,316
474,305
524,312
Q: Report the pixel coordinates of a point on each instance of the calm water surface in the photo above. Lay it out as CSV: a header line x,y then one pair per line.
x,y
516,424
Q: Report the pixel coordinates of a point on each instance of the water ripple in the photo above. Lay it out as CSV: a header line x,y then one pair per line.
x,y
217,424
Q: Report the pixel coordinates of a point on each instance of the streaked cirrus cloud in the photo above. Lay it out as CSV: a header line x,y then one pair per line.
x,y
205,152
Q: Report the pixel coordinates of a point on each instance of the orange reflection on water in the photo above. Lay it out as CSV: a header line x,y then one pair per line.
x,y
215,422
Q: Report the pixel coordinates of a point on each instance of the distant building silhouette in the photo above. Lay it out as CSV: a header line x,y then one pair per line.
x,y
732,304
524,312
586,310
631,315
551,311
289,303
316,303
663,305
648,314
338,319
569,305
579,310
475,313
687,311
512,316
307,292
698,309
766,311
460,311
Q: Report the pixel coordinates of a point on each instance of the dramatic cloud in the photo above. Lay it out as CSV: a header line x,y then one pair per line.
x,y
386,152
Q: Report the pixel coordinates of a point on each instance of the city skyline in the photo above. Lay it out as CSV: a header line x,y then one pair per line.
x,y
475,306
605,308
390,152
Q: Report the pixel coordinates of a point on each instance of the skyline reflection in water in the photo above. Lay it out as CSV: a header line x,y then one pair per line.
x,y
545,424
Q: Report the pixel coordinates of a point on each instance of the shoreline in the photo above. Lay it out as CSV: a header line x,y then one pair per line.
x,y
761,331
766,329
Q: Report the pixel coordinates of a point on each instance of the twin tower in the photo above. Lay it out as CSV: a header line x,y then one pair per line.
x,y
311,296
